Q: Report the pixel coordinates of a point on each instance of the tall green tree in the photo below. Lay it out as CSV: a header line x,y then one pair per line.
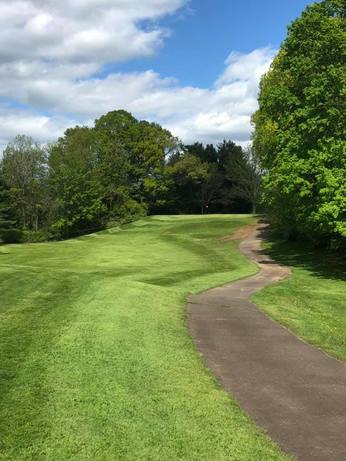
x,y
225,152
199,181
7,220
300,127
245,175
24,171
74,175
202,180
206,153
113,171
147,145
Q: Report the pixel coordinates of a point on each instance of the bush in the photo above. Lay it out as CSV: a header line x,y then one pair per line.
x,y
11,235
128,212
30,236
133,210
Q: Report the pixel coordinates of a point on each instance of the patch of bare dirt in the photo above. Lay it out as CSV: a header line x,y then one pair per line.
x,y
239,234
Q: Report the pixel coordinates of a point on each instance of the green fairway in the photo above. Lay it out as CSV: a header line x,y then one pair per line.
x,y
312,302
96,360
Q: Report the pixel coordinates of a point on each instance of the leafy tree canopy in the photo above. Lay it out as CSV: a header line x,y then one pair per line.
x,y
23,169
146,145
300,127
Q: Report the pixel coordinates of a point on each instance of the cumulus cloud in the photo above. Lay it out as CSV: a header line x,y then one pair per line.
x,y
242,66
81,30
41,127
51,53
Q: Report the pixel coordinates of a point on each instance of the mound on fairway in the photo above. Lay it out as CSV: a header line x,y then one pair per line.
x,y
96,360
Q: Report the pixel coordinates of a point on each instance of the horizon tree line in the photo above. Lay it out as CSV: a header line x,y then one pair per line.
x,y
117,171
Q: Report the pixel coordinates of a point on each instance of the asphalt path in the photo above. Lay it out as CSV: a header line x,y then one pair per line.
x,y
293,390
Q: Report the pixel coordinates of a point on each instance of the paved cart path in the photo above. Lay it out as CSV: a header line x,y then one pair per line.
x,y
293,390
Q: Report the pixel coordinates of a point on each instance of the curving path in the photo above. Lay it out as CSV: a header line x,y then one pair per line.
x,y
293,390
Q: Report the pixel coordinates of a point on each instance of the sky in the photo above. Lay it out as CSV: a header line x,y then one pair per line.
x,y
191,65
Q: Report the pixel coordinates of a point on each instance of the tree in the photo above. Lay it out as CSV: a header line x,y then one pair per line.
x,y
9,232
245,174
24,171
207,154
76,184
300,127
147,145
108,172
198,175
5,220
199,180
225,152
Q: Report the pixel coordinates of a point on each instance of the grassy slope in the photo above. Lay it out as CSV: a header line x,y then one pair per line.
x,y
96,362
312,302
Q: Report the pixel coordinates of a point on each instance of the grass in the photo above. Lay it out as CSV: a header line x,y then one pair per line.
x,y
96,360
311,303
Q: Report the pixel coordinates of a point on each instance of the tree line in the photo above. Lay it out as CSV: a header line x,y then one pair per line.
x,y
118,170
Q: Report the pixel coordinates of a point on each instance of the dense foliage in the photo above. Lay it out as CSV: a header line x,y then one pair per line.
x,y
204,179
300,127
114,172
8,228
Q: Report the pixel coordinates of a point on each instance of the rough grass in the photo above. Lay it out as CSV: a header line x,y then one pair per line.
x,y
96,360
312,302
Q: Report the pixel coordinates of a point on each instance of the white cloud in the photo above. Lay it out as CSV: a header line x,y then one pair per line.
x,y
245,66
40,127
83,30
51,51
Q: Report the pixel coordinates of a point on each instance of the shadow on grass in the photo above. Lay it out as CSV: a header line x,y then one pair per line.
x,y
321,262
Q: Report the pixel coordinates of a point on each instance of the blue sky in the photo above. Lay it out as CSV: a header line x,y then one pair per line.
x,y
193,66
201,39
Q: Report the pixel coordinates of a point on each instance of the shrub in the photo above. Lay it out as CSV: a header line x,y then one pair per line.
x,y
11,235
128,212
35,236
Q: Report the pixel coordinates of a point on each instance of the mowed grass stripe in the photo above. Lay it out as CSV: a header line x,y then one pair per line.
x,y
96,360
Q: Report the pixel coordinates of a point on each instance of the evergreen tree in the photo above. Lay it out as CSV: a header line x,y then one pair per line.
x,y
8,232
